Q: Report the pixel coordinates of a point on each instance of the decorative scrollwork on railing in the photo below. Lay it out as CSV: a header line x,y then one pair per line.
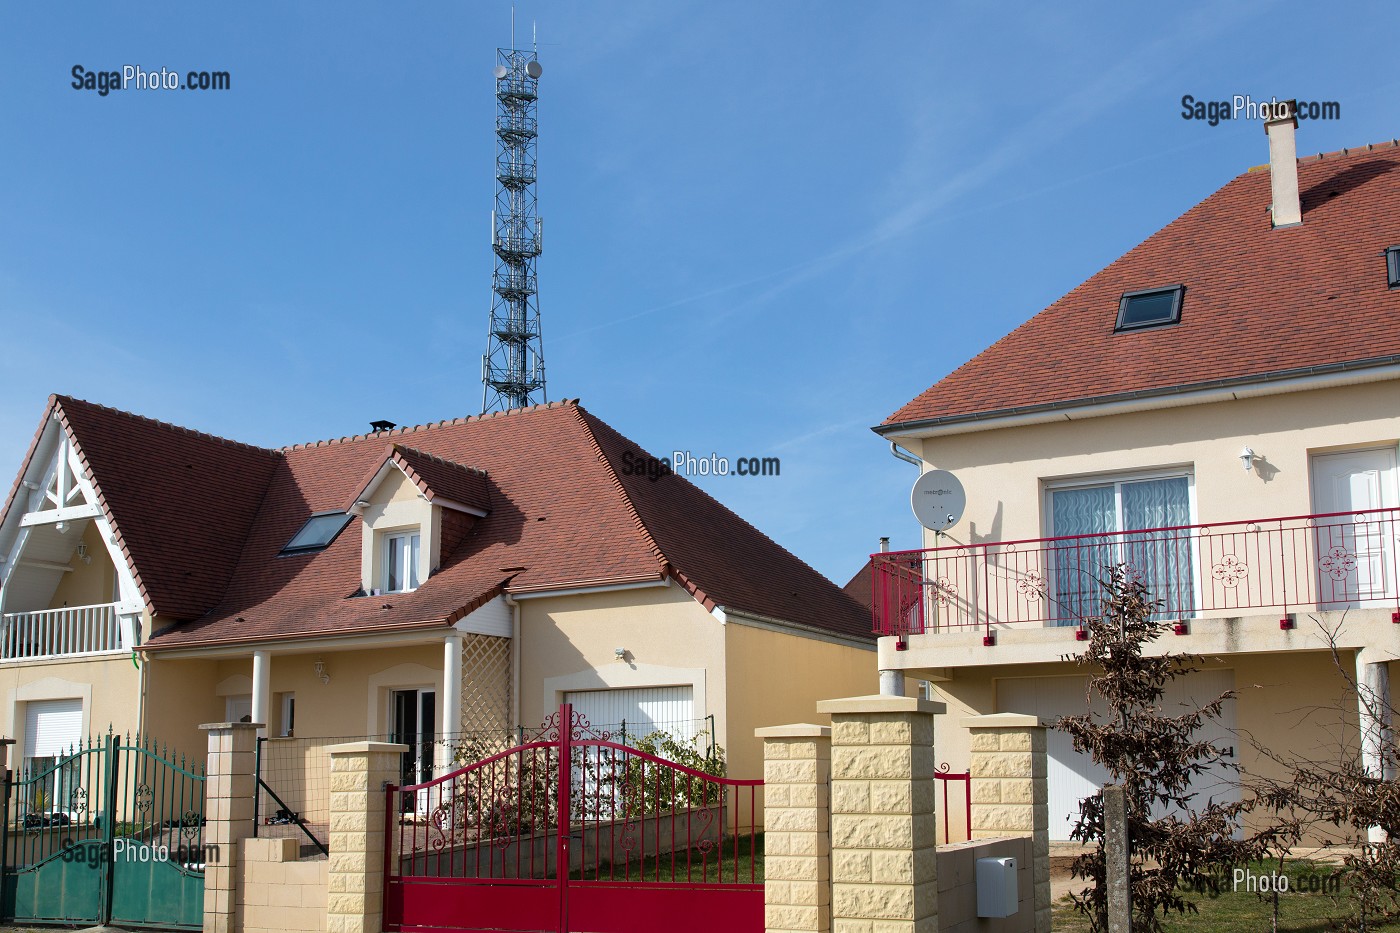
x,y
944,590
579,729
1230,571
1338,563
191,827
144,799
78,800
1032,585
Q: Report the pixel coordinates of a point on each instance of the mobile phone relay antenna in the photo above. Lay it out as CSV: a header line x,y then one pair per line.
x,y
512,371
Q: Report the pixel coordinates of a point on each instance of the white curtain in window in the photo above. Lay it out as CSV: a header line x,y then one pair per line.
x,y
1079,565
1161,560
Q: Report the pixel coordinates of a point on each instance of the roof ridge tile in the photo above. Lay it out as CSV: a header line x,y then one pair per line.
x,y
204,435
431,425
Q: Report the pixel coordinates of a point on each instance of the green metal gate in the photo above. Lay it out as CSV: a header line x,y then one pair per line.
x,y
112,832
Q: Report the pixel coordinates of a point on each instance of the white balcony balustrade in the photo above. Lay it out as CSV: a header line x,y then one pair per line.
x,y
63,632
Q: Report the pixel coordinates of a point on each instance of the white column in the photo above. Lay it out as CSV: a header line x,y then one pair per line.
x,y
891,683
1373,707
262,689
452,685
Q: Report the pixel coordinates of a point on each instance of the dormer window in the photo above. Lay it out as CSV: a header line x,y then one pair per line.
x,y
1392,266
1152,308
401,562
317,534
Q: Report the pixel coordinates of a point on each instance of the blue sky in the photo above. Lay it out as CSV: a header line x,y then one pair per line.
x,y
768,225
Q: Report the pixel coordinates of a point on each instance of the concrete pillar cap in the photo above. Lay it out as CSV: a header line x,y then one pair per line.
x,y
1002,721
797,730
880,704
211,726
366,748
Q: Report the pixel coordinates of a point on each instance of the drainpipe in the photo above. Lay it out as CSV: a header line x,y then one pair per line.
x,y
904,455
514,661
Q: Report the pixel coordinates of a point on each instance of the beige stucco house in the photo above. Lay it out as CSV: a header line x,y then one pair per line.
x,y
1220,409
421,584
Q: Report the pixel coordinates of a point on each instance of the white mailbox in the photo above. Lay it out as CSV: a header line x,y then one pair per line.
x,y
996,887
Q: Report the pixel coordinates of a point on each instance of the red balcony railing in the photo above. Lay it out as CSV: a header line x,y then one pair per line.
x,y
1304,562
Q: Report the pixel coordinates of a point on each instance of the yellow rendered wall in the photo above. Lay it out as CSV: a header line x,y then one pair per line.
x,y
1003,470
109,688
568,643
776,679
347,706
87,584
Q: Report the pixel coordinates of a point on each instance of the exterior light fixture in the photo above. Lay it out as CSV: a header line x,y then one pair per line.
x,y
620,654
321,671
1247,458
83,554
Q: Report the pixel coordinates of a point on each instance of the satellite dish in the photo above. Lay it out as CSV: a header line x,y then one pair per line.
x,y
533,69
938,500
500,71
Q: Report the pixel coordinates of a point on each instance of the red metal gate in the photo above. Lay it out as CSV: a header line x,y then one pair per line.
x,y
572,832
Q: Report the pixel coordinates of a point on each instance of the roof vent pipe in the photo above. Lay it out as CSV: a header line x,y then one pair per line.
x,y
377,426
1281,125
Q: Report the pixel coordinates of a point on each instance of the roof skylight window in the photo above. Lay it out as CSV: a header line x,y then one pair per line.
x,y
318,533
1152,308
1392,266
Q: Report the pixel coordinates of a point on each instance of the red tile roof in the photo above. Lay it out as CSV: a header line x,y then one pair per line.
x,y
1258,301
204,520
438,479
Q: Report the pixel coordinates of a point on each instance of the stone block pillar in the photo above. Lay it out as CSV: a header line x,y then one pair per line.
x,y
1010,793
229,787
359,773
883,834
796,821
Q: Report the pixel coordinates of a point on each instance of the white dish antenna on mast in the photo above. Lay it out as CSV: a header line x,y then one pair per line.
x,y
938,500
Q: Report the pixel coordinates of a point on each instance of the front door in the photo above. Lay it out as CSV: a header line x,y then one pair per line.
x,y
413,715
1356,550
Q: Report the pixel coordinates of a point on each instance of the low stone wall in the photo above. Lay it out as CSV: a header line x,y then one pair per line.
x,y
273,891
957,886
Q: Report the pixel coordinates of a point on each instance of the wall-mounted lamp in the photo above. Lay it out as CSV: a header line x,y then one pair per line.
x,y
83,554
1247,458
620,654
321,671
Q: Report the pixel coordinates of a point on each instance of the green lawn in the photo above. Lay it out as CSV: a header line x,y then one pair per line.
x,y
693,865
1240,911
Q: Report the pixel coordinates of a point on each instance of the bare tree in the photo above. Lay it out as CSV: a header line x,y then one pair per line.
x,y
1156,757
1337,794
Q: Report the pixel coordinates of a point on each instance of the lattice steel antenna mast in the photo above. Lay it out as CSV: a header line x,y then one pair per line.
x,y
513,368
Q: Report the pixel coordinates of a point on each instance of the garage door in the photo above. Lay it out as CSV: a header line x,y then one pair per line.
x,y
1074,776
642,710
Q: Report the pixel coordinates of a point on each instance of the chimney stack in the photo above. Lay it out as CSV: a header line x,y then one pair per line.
x,y
1281,125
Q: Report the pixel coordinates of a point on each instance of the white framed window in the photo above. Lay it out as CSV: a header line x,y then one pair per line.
x,y
287,702
1128,519
401,562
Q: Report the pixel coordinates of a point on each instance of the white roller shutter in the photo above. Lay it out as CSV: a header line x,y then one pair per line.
x,y
644,710
52,727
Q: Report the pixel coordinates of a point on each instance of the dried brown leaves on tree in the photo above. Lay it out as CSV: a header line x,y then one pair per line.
x,y
1178,841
